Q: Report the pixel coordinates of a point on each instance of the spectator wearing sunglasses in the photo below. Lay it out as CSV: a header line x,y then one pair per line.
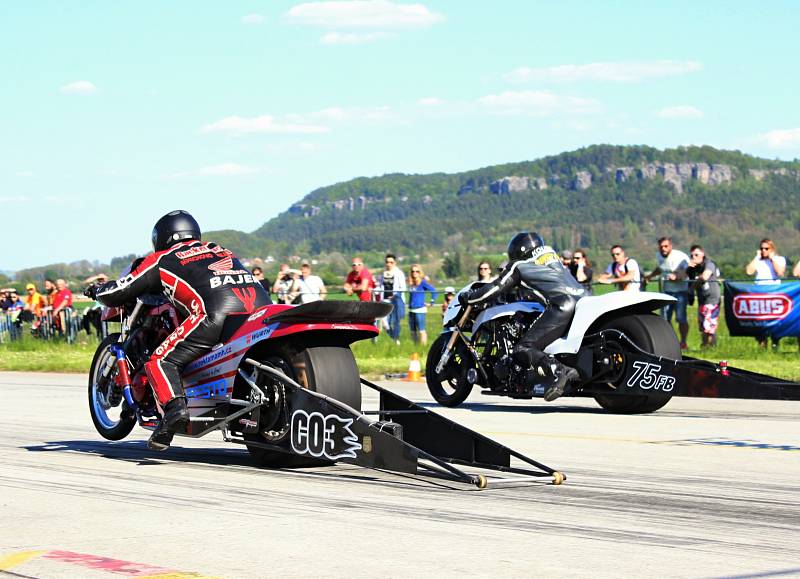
x,y
581,269
485,271
767,266
623,271
704,274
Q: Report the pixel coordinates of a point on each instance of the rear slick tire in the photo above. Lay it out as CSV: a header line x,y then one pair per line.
x,y
328,370
652,334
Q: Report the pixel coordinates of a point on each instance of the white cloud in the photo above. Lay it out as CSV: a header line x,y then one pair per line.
x,y
303,147
352,37
680,112
222,170
781,139
430,102
340,115
538,103
252,19
25,173
371,14
264,124
631,71
79,87
14,199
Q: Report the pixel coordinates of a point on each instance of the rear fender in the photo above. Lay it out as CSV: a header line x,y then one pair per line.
x,y
217,370
593,311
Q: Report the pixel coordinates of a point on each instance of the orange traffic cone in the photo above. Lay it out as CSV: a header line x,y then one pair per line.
x,y
414,369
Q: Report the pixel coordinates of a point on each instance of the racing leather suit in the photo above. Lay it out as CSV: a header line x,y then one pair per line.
x,y
544,276
205,282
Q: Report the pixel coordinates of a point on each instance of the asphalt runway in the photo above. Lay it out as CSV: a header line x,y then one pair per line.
x,y
702,488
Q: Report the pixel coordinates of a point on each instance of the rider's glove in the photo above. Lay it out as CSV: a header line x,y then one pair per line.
x,y
463,298
91,291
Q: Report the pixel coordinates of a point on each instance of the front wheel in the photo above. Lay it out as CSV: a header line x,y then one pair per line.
x,y
652,334
110,413
450,387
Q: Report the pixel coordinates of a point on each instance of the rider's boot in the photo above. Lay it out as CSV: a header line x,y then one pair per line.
x,y
176,417
562,376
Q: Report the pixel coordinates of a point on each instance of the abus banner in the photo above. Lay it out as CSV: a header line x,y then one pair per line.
x,y
763,310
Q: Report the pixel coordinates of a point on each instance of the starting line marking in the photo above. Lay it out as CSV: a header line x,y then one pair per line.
x,y
107,564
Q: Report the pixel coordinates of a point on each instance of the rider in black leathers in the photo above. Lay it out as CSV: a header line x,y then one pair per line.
x,y
536,267
205,282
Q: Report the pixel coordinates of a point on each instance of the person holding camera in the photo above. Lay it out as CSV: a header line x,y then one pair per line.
x,y
581,269
767,266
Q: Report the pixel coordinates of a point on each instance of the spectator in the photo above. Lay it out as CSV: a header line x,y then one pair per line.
x,y
392,286
359,281
34,305
61,302
258,274
308,288
566,258
485,271
581,270
5,301
671,266
705,275
449,294
767,266
418,286
14,304
49,291
283,284
623,271
796,270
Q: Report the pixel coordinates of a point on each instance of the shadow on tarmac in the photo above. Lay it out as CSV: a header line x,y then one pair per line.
x,y
136,452
493,407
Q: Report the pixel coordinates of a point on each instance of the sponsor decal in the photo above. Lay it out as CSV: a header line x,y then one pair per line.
x,y
262,333
647,376
247,423
323,436
231,279
343,327
213,357
196,258
170,341
761,306
247,296
224,264
215,389
257,315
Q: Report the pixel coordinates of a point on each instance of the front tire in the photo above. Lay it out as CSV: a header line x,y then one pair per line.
x,y
652,334
451,387
112,421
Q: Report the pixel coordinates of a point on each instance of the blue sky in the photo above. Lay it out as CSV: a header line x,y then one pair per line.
x,y
113,113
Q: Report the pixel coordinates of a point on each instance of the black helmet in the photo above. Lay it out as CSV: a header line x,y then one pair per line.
x,y
175,226
522,245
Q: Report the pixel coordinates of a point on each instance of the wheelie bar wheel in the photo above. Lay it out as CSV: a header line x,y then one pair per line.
x,y
481,481
558,477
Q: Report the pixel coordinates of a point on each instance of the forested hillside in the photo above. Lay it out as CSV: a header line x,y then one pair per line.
x,y
592,197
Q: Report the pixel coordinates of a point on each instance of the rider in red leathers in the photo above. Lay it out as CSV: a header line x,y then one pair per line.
x,y
205,282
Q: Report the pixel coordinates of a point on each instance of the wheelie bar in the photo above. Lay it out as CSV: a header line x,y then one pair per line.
x,y
701,378
406,438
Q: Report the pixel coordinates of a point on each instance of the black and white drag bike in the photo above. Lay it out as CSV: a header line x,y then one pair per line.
x,y
626,355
